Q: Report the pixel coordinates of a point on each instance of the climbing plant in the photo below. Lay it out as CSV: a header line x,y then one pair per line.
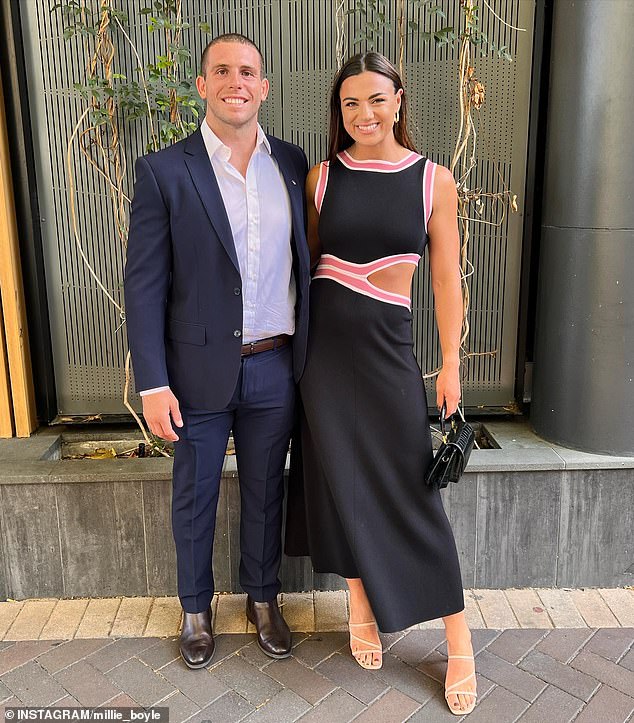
x,y
161,92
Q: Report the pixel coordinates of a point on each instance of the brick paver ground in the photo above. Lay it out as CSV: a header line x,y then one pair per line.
x,y
532,675
307,611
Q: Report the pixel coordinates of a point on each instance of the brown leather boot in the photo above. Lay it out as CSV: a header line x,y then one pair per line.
x,y
274,637
196,641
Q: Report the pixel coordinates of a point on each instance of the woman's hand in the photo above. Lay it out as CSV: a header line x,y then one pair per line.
x,y
448,388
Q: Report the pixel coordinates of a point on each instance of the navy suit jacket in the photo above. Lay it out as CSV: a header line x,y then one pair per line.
x,y
183,290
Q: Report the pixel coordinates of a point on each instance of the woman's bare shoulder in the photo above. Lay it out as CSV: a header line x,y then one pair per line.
x,y
314,172
443,178
313,176
444,186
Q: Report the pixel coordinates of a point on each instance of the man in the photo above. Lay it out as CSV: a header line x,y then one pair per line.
x,y
216,286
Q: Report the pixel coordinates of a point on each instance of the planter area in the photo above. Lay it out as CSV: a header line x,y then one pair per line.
x,y
526,514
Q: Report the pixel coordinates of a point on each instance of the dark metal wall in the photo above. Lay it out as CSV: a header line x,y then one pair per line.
x,y
297,38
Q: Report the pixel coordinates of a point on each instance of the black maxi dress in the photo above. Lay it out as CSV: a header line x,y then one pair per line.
x,y
365,431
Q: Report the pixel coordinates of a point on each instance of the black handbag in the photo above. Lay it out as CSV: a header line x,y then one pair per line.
x,y
453,454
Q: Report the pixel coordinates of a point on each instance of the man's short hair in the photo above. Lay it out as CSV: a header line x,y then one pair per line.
x,y
230,38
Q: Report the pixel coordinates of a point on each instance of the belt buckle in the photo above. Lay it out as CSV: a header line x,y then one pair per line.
x,y
252,347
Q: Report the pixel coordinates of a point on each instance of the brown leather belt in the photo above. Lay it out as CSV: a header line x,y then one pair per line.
x,y
273,342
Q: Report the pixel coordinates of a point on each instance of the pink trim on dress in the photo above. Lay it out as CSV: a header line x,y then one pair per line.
x,y
378,166
355,276
322,182
428,189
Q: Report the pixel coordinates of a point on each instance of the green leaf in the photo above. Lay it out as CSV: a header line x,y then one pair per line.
x,y
444,36
119,15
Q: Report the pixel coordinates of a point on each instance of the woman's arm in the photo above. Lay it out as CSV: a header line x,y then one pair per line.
x,y
444,259
313,215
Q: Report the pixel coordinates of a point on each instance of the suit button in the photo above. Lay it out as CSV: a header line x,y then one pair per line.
x,y
237,333
236,291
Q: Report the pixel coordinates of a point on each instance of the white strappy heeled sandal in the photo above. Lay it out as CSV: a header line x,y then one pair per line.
x,y
372,647
454,688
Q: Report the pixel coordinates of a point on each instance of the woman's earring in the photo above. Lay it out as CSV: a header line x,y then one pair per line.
x,y
397,116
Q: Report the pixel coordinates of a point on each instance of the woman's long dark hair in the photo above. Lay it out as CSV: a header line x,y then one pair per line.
x,y
339,138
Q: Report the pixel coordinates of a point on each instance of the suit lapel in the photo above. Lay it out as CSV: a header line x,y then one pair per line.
x,y
204,179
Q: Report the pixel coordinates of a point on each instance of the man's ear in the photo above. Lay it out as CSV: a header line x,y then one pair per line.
x,y
265,88
201,87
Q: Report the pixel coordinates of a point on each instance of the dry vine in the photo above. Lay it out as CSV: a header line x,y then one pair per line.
x,y
100,142
341,47
471,97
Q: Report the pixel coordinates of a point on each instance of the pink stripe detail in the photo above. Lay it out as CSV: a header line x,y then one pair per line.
x,y
371,266
322,182
380,166
428,189
355,276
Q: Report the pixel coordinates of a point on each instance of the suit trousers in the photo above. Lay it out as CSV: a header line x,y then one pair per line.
x,y
261,414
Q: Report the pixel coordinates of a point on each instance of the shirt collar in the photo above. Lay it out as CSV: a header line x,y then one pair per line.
x,y
262,140
214,145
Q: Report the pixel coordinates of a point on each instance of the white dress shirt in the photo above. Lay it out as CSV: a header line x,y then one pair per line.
x,y
259,212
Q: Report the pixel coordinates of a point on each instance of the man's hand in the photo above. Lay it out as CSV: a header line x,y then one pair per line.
x,y
158,407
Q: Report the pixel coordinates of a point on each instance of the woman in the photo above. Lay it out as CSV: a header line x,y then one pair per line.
x,y
373,206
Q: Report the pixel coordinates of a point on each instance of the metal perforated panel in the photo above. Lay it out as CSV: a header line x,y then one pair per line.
x,y
297,38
